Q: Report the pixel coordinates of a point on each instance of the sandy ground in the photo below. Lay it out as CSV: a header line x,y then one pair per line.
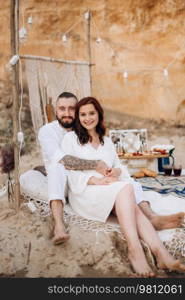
x,y
26,248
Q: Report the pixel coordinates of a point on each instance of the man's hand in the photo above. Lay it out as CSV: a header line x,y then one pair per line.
x,y
102,167
113,172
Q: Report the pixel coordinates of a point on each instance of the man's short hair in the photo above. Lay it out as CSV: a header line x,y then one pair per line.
x,y
67,95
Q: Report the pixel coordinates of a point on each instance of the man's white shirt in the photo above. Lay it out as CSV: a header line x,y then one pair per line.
x,y
50,137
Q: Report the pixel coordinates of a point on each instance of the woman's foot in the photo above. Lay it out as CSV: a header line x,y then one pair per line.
x,y
140,265
60,235
166,261
167,222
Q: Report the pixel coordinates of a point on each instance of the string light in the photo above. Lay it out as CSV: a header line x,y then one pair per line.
x,y
20,134
23,34
23,30
125,74
64,35
98,40
64,38
165,72
30,20
87,15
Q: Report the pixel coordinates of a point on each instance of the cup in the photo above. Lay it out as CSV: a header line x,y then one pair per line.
x,y
167,170
177,169
119,149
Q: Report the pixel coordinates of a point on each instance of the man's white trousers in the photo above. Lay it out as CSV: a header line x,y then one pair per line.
x,y
57,182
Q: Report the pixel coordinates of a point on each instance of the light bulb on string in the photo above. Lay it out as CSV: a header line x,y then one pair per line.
x,y
30,20
23,34
64,38
165,72
98,40
87,15
125,74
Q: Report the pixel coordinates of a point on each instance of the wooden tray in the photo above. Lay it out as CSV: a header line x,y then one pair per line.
x,y
144,156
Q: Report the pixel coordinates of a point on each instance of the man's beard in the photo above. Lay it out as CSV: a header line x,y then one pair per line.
x,y
66,125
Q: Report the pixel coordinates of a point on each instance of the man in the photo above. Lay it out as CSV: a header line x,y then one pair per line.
x,y
50,137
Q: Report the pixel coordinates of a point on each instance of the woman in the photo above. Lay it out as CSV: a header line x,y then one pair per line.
x,y
94,196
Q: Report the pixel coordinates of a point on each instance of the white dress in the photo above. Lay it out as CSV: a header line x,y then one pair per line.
x,y
95,202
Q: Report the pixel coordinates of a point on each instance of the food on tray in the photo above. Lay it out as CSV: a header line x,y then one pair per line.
x,y
139,174
137,154
144,172
127,155
147,152
150,153
148,172
162,151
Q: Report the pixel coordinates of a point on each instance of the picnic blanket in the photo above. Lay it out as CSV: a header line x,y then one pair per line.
x,y
164,185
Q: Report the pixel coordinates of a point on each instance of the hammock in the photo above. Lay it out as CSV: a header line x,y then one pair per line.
x,y
34,189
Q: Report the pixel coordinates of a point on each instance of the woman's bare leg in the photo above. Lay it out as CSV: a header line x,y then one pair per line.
x,y
125,208
150,236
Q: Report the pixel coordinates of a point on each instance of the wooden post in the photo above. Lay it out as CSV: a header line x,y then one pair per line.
x,y
50,111
89,48
51,59
14,26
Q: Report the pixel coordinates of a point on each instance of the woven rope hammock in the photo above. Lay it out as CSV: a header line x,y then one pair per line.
x,y
175,242
176,245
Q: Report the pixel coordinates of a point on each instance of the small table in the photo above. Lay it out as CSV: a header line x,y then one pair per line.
x,y
136,162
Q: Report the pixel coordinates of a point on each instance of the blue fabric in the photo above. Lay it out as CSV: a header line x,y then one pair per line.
x,y
164,185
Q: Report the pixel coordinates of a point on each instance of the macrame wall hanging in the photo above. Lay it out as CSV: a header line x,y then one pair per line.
x,y
47,79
